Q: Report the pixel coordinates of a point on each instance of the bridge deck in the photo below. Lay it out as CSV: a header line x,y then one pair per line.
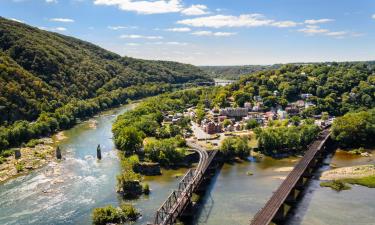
x,y
178,200
268,212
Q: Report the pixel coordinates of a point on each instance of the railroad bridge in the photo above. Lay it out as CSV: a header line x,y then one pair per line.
x,y
278,206
180,200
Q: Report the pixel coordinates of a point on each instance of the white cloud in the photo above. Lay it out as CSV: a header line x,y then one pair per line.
x,y
121,27
316,30
17,20
311,30
137,36
167,43
56,29
132,44
176,43
179,29
144,6
51,1
283,24
62,20
373,16
318,21
210,33
59,29
195,10
246,20
337,33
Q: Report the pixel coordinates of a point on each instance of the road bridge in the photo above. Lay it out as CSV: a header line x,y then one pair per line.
x,y
179,200
277,207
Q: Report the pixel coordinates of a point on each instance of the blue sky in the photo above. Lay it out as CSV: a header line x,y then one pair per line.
x,y
212,32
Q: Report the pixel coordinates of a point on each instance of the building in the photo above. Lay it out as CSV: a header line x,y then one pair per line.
x,y
270,115
257,98
211,127
300,104
247,105
282,114
234,112
221,118
306,96
237,127
292,110
309,104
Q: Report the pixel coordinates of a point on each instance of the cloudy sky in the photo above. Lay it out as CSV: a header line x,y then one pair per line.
x,y
212,32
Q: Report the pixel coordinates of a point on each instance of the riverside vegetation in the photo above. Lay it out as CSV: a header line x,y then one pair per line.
x,y
48,81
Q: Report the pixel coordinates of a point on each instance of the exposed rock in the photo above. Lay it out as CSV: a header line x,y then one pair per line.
x,y
147,168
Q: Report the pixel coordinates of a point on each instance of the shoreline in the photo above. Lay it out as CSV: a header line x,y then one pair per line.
x,y
40,155
31,159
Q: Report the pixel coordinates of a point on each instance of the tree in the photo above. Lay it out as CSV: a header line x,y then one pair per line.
x,y
251,124
200,114
296,120
129,140
235,146
355,129
227,122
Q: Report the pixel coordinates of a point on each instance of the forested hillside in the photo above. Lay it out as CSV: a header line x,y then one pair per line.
x,y
41,71
235,72
336,88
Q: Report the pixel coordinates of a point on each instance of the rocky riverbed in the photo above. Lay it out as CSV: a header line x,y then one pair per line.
x,y
31,159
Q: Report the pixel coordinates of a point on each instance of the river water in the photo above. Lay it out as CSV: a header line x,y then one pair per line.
x,y
66,192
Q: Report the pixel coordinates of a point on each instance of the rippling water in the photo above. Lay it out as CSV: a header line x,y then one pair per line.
x,y
66,192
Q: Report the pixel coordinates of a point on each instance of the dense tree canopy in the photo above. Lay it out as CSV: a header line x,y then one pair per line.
x,y
337,88
355,129
48,81
41,71
285,139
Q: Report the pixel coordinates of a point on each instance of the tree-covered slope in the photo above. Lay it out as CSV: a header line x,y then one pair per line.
x,y
337,88
41,70
235,72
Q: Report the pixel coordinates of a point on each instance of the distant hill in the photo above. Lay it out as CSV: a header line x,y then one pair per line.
x,y
235,72
41,71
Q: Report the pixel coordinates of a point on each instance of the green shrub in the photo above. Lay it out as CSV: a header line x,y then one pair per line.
x,y
129,212
19,167
336,185
2,160
7,153
235,146
33,142
146,189
110,214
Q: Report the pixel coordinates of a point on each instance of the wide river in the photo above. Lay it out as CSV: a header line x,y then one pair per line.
x,y
66,192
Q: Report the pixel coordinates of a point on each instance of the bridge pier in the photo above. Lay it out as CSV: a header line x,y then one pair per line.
x,y
179,204
290,191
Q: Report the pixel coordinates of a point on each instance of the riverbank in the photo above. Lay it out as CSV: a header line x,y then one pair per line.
x,y
338,178
31,158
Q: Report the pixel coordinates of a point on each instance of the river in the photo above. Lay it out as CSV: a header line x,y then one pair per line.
x,y
66,192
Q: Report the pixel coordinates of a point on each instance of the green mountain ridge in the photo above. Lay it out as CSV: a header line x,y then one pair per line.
x,y
41,71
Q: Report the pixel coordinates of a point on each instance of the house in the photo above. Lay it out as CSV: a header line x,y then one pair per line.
x,y
234,112
270,115
292,110
257,98
237,127
308,104
282,114
221,118
306,96
248,106
300,104
211,127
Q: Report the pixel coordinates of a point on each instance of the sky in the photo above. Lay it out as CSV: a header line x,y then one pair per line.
x,y
211,32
